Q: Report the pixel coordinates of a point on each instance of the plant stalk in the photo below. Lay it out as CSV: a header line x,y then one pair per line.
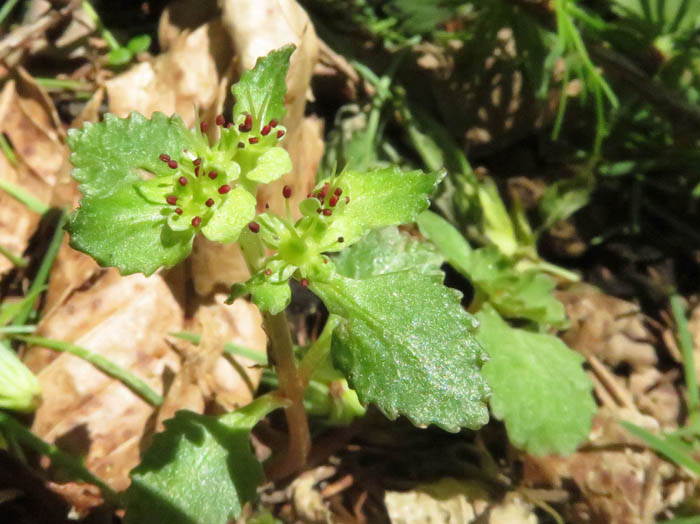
x,y
291,384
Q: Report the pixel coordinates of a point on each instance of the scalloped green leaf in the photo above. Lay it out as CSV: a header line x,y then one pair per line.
x,y
383,197
406,344
125,231
231,217
260,91
111,153
539,388
388,250
200,470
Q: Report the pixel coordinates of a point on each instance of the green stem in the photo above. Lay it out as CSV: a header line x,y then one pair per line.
x,y
6,9
17,260
6,148
686,342
106,33
14,330
232,349
108,367
291,385
70,464
56,83
23,196
43,274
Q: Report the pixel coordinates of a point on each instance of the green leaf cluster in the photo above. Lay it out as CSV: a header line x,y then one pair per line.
x,y
149,186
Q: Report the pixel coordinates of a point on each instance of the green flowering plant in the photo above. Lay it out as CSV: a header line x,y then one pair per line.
x,y
398,336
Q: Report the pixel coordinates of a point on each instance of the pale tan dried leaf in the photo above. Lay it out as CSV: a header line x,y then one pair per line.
x,y
125,319
184,78
36,142
446,501
183,15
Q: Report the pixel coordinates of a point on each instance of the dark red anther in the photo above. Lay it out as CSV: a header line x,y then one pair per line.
x,y
333,201
241,145
347,200
304,283
254,227
242,128
338,191
196,171
172,200
248,121
341,240
327,212
178,211
213,174
196,221
164,157
224,189
268,272
322,194
318,211
253,140
172,164
209,202
265,131
182,180
273,123
203,126
220,120
197,161
287,191
267,206
280,133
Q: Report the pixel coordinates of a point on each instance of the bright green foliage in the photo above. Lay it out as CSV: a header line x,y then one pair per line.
x,y
388,250
515,294
383,197
406,344
200,470
260,91
339,213
539,388
149,186
19,388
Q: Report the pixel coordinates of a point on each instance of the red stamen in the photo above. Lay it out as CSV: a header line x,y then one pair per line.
x,y
196,221
280,133
268,272
178,211
241,145
333,201
341,239
287,191
324,190
224,189
172,164
304,282
182,180
327,212
213,174
203,126
273,123
254,227
197,161
347,200
253,139
209,202
249,121
172,200
196,171
220,120
265,131
338,191
164,157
